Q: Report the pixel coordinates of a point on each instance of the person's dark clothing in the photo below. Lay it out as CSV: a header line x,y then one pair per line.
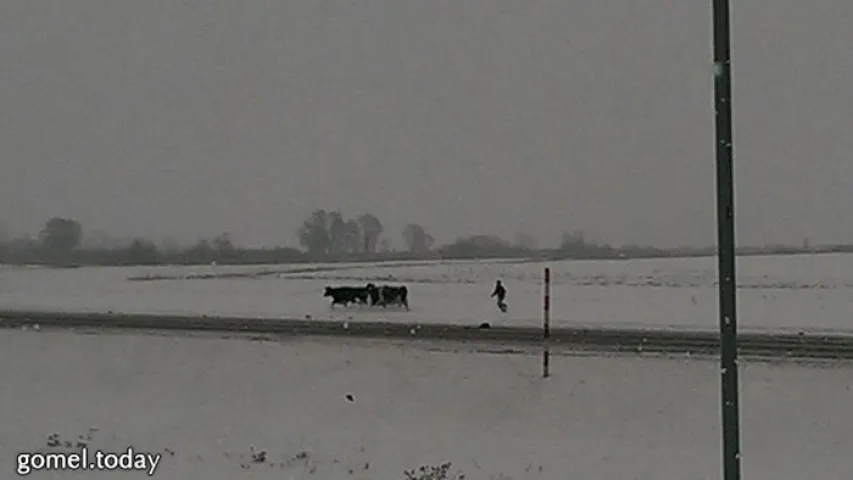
x,y
500,292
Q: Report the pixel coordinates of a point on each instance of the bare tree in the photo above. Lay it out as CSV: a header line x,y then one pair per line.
x,y
223,244
313,235
371,228
416,238
352,236
61,235
336,227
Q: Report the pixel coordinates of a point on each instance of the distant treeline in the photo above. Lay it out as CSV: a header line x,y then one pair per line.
x,y
329,237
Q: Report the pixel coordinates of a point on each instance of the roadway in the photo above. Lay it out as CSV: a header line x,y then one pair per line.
x,y
777,345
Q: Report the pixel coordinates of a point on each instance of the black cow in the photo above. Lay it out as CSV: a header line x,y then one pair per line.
x,y
386,295
347,295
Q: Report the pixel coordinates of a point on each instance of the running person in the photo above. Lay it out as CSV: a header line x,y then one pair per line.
x,y
500,292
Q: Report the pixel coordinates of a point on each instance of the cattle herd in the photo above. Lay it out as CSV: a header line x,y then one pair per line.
x,y
369,295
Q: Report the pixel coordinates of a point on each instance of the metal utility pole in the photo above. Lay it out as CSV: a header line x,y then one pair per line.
x,y
726,240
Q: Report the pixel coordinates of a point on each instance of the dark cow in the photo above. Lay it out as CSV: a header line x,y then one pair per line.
x,y
386,295
347,295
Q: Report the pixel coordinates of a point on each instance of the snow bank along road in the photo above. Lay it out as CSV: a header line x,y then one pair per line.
x,y
603,340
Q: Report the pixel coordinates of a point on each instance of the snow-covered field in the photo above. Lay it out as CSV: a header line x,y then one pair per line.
x,y
800,292
370,410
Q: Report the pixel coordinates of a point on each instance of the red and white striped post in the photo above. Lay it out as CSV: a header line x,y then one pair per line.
x,y
546,324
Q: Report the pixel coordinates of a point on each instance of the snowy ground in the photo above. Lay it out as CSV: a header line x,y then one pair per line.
x,y
800,292
203,401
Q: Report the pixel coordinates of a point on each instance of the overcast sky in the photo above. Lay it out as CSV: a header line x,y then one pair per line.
x,y
188,118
